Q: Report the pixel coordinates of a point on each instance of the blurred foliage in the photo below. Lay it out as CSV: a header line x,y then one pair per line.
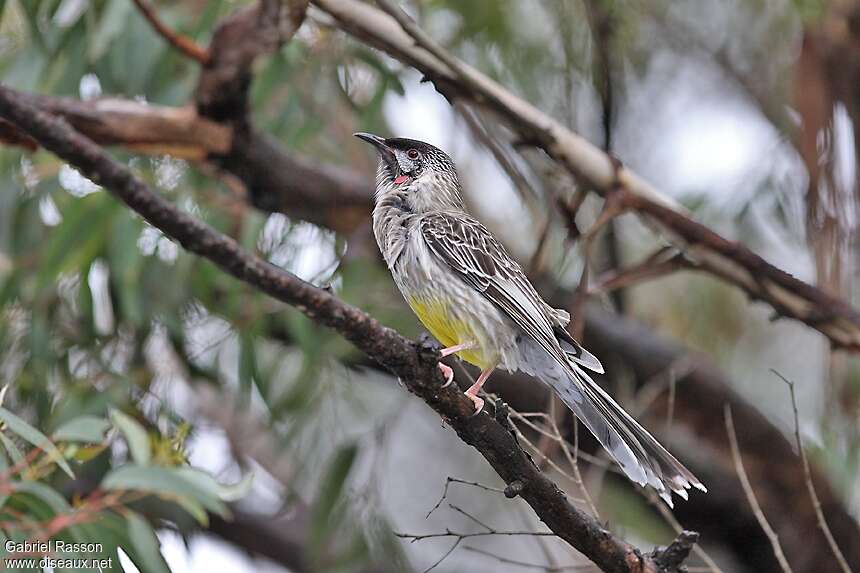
x,y
33,505
101,314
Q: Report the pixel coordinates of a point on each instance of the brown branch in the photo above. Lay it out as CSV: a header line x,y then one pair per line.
x,y
659,264
415,366
751,497
399,37
276,180
182,43
807,475
222,92
142,127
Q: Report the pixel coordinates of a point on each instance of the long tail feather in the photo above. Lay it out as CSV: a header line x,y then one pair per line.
x,y
639,454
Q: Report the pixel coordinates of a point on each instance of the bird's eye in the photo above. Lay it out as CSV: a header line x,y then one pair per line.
x,y
412,154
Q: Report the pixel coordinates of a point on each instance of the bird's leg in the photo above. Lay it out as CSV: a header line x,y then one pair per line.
x,y
448,373
446,370
472,392
456,348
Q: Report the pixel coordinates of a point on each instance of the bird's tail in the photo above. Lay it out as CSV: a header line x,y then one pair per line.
x,y
641,456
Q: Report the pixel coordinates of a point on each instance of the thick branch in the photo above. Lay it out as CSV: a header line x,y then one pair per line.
x,y
222,92
143,127
326,195
416,368
790,297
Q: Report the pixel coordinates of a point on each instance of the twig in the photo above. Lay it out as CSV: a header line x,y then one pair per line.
x,y
664,261
525,564
182,43
748,490
451,480
469,516
573,461
413,537
670,518
813,495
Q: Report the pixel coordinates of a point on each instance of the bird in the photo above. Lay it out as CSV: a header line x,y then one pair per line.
x,y
475,299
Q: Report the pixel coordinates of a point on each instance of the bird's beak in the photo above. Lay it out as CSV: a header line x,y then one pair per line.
x,y
385,152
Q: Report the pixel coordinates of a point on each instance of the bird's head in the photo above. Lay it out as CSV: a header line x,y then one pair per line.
x,y
422,173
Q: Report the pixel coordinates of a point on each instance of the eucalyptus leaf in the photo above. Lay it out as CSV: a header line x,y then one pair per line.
x,y
168,483
87,429
135,436
146,545
36,438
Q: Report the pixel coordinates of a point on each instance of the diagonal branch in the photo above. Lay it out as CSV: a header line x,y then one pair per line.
x,y
401,38
182,43
415,366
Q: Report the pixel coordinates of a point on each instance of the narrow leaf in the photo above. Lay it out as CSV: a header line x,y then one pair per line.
x,y
135,436
87,429
146,545
36,438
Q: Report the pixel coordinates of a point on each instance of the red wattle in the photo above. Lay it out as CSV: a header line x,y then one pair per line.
x,y
401,179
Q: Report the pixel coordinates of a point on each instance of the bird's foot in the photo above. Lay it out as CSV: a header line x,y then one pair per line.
x,y
448,373
479,403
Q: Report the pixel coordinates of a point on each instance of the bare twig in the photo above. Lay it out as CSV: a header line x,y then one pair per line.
x,y
748,490
469,516
673,522
813,495
460,537
182,43
664,261
527,565
573,460
413,537
451,480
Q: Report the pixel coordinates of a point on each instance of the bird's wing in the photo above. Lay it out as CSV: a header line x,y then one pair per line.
x,y
468,248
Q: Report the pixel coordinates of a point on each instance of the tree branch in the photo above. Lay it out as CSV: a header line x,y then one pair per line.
x,y
222,92
416,367
142,127
401,38
326,195
182,43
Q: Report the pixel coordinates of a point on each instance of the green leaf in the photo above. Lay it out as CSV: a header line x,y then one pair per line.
x,y
168,483
330,492
146,545
13,451
88,429
224,492
35,437
135,436
47,494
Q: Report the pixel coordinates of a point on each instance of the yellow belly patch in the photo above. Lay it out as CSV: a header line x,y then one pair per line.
x,y
448,329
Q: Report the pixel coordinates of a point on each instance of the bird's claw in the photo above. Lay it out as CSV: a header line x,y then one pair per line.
x,y
479,403
448,373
